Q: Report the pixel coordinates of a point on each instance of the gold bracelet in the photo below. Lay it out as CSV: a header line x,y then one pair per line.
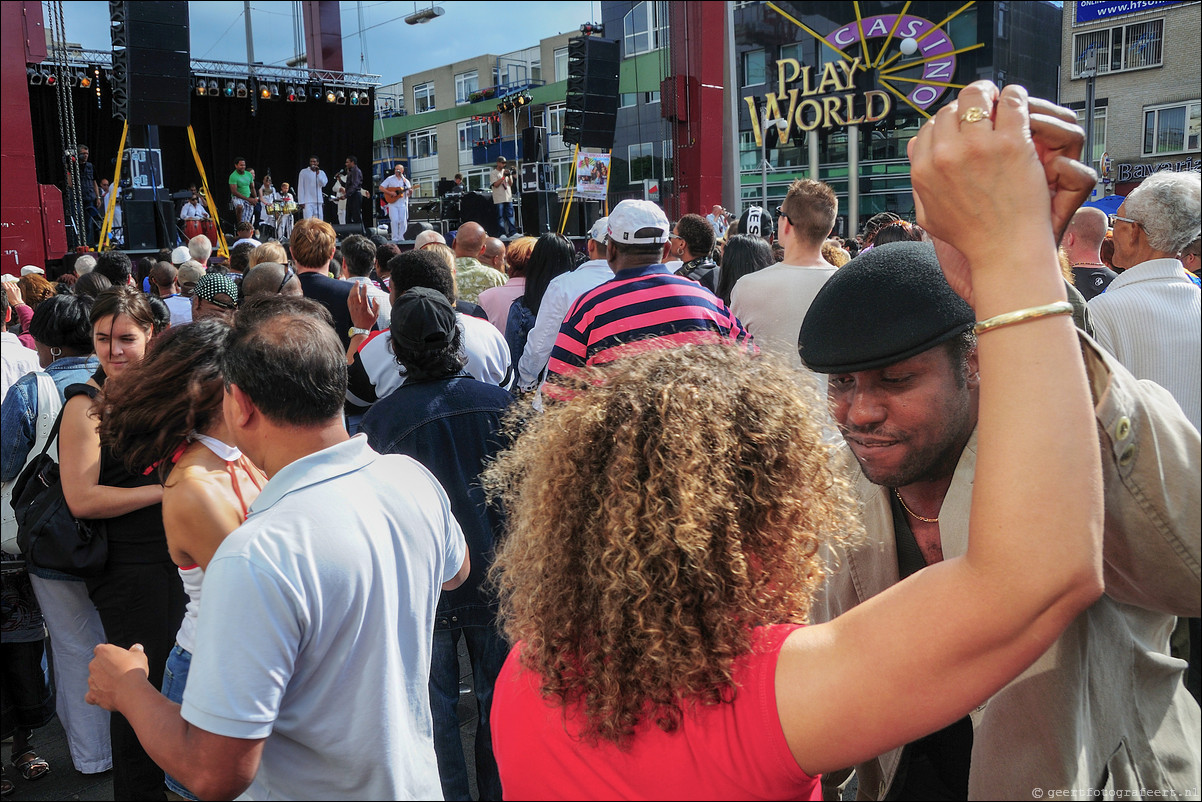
x,y
1022,316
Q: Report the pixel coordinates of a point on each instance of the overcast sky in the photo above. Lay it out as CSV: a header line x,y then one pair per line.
x,y
392,48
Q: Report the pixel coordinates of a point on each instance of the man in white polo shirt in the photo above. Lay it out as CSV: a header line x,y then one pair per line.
x,y
310,674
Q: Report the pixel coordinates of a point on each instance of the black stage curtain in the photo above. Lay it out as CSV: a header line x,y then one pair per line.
x,y
278,139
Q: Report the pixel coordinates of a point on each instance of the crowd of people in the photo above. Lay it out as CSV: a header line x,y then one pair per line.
x,y
718,508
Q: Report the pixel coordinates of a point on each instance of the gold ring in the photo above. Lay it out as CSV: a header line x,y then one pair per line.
x,y
974,114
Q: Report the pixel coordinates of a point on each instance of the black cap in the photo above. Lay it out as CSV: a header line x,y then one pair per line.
x,y
423,320
884,306
756,222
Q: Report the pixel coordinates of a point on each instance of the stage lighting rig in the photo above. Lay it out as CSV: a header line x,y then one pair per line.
x,y
231,88
331,96
240,89
202,87
290,93
301,94
35,77
341,97
593,29
214,89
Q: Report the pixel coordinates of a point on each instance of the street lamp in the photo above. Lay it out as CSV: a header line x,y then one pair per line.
x,y
425,15
781,125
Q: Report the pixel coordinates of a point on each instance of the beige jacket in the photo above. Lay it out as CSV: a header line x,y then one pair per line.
x,y
1104,708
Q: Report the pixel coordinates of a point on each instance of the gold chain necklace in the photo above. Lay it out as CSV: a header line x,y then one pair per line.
x,y
934,520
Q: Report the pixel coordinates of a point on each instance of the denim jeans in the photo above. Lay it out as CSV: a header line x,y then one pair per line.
x,y
487,650
505,219
175,679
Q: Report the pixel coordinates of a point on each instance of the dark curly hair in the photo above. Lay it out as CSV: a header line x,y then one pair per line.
x,y
148,411
701,492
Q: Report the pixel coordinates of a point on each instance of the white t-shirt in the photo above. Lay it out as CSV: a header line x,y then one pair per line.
x,y
181,309
17,360
317,623
488,358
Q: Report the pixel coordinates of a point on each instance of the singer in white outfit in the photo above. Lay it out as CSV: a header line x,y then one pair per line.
x,y
398,210
310,185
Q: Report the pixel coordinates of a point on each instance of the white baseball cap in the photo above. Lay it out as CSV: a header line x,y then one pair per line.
x,y
180,255
633,216
600,230
31,269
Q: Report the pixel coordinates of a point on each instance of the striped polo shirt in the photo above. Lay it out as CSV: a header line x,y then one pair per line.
x,y
640,308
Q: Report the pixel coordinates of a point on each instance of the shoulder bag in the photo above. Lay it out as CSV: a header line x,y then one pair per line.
x,y
49,404
48,534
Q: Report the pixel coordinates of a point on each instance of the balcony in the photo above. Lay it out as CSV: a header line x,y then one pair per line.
x,y
501,90
488,154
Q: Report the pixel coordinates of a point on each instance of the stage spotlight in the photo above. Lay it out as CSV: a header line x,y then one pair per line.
x,y
35,77
290,93
331,97
83,80
264,92
275,91
231,88
202,87
364,99
214,88
354,98
240,89
341,97
51,79
301,94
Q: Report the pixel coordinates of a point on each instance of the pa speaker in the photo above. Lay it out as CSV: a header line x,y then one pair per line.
x,y
151,67
342,231
538,209
145,228
592,95
534,144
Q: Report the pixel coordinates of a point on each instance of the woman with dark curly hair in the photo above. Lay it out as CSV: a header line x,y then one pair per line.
x,y
667,523
166,411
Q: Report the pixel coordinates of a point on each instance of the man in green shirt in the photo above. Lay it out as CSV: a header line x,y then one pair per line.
x,y
241,188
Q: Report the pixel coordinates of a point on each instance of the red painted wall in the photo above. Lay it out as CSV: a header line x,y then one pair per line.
x,y
695,88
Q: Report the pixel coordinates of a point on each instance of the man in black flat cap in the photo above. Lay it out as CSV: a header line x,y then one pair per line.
x,y
899,348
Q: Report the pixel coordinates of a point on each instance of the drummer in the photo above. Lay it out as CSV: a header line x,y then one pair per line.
x,y
194,209
284,208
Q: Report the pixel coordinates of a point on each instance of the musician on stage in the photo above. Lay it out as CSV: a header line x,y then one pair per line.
x,y
283,220
351,199
267,196
242,182
397,189
310,189
194,209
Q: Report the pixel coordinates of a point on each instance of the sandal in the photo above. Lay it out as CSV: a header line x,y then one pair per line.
x,y
31,766
6,785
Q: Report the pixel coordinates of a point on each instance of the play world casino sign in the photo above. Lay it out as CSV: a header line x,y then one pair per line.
x,y
860,89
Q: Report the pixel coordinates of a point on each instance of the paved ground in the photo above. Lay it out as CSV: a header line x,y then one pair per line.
x,y
65,783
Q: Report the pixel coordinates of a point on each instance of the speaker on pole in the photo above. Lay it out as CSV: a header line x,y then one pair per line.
x,y
592,96
534,144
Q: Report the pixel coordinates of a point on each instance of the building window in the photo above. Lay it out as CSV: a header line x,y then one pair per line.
x,y
668,161
465,84
1123,47
423,144
1099,136
563,169
754,67
628,99
1003,17
554,119
645,28
641,159
561,64
423,97
1172,129
536,70
477,130
477,179
651,97
792,51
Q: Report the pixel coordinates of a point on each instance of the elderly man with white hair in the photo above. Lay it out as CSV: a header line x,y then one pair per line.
x,y
85,264
1150,317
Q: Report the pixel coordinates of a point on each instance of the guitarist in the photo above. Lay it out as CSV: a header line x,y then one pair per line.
x,y
397,189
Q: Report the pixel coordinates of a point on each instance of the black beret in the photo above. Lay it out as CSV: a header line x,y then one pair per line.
x,y
884,306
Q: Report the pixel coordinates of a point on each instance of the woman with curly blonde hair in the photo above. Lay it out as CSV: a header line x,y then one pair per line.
x,y
667,522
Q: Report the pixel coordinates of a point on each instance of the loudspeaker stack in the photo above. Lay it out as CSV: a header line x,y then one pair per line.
x,y
151,67
592,96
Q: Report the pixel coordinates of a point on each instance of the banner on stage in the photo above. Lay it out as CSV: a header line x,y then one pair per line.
x,y
592,175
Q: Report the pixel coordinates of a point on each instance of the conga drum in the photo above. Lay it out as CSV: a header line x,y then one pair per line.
x,y
193,227
209,229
